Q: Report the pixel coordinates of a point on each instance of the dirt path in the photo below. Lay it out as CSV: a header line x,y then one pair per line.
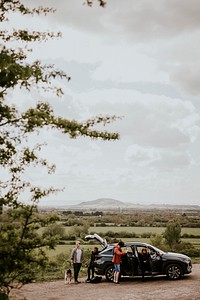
x,y
160,288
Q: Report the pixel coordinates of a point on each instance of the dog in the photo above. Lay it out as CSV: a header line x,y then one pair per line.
x,y
68,275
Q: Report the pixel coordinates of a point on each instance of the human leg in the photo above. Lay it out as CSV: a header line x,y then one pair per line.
x,y
117,277
88,274
92,268
77,270
116,274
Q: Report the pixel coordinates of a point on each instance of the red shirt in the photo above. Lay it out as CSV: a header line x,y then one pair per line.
x,y
117,255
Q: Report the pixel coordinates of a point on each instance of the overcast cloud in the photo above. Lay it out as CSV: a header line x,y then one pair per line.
x,y
138,59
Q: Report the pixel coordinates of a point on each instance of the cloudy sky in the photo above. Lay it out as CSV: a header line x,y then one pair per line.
x,y
138,59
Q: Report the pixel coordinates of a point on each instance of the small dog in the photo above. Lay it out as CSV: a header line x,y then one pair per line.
x,y
68,274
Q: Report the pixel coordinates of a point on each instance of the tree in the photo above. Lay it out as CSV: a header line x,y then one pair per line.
x,y
22,249
156,240
79,231
54,230
172,234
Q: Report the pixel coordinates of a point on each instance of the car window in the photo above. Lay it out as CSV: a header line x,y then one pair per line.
x,y
130,250
154,249
139,249
108,251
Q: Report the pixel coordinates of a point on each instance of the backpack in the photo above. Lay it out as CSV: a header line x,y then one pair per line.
x,y
96,279
113,255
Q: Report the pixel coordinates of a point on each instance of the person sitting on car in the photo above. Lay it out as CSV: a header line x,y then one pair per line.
x,y
93,255
117,259
145,259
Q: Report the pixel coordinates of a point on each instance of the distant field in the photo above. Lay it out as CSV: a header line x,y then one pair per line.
x,y
140,230
68,248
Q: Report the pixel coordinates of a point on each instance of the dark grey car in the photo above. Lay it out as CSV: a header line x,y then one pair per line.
x,y
173,265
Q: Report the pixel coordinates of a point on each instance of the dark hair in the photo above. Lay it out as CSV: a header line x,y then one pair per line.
x,y
121,244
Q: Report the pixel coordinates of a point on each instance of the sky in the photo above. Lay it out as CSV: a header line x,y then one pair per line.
x,y
137,59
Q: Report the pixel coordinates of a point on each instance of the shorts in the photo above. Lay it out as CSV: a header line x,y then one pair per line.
x,y
117,268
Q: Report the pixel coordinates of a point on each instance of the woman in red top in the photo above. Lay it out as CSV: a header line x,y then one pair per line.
x,y
117,259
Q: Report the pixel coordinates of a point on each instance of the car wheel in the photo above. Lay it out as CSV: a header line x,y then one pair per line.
x,y
174,271
109,273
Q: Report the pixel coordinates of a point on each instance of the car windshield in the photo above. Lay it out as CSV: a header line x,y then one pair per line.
x,y
158,250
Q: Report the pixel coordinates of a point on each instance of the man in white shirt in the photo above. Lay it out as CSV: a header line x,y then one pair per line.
x,y
77,259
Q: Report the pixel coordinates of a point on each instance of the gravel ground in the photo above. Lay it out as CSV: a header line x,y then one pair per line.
x,y
159,288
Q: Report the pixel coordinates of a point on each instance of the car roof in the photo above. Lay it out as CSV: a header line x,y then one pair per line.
x,y
129,244
136,244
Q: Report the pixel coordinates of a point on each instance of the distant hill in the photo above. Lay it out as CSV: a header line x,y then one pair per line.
x,y
106,204
103,202
109,203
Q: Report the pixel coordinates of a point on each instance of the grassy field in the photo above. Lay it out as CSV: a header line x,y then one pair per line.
x,y
68,247
140,230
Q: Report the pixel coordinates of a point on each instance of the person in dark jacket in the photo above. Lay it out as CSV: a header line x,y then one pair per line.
x,y
91,264
145,260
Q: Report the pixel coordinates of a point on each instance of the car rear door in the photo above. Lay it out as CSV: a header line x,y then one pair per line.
x,y
130,263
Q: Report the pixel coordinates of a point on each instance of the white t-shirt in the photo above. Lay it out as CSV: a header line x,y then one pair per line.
x,y
78,255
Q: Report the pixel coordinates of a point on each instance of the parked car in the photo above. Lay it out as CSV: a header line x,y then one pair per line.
x,y
173,265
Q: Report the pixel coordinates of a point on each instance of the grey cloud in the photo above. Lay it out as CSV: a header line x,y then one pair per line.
x,y
172,160
139,18
141,155
155,123
188,77
171,22
160,159
82,80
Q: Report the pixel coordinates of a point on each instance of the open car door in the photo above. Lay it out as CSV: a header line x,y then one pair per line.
x,y
96,237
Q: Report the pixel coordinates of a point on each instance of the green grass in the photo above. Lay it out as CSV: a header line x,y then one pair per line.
x,y
140,230
194,242
137,230
67,248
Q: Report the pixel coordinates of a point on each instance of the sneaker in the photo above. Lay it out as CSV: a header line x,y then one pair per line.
x,y
88,280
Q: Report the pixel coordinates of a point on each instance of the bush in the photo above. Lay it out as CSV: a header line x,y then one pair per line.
x,y
192,252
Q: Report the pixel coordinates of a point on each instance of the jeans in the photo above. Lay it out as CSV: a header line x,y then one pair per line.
x,y
90,268
77,267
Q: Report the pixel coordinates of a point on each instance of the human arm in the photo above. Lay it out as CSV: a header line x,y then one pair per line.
x,y
72,255
118,252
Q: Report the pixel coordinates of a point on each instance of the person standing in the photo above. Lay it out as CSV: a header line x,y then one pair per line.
x,y
117,260
145,261
91,264
77,259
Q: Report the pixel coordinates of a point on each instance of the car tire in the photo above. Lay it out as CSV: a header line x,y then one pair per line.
x,y
109,273
174,272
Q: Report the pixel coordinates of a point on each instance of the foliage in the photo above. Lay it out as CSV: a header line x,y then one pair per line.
x,y
172,234
57,265
54,230
101,2
128,218
79,231
22,250
157,240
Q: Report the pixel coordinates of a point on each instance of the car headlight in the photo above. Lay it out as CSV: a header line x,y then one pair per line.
x,y
99,261
187,260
